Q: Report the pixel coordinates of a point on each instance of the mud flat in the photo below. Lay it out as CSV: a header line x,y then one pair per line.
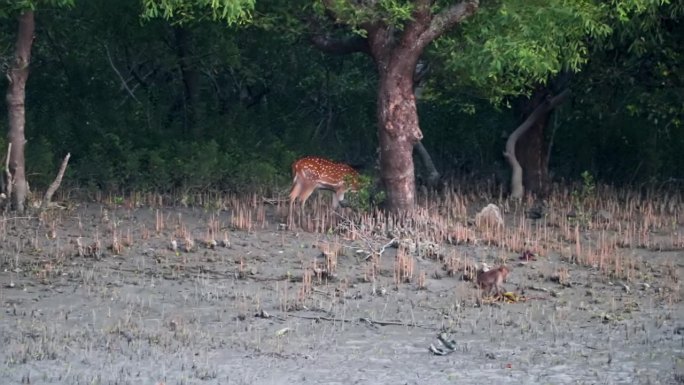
x,y
100,294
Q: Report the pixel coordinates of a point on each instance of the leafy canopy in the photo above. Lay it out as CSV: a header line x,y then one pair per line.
x,y
356,13
511,46
184,11
9,7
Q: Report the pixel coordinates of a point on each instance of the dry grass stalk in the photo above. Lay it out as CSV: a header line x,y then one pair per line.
x,y
180,231
115,246
144,232
261,217
331,251
422,279
460,234
128,241
241,217
159,222
403,267
306,287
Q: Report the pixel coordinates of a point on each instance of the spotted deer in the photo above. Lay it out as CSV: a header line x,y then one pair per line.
x,y
312,172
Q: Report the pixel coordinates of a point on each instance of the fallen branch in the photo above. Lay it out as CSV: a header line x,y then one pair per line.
x,y
392,243
364,319
539,288
55,184
16,218
273,201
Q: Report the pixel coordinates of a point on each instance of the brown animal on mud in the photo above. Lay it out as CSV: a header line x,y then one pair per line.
x,y
493,280
314,172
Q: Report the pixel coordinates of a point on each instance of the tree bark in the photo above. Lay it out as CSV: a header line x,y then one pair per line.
x,y
531,148
517,189
397,113
398,132
396,55
16,95
190,74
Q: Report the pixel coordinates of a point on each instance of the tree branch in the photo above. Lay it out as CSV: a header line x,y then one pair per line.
x,y
55,184
420,21
549,104
8,174
124,83
380,42
447,19
340,46
327,43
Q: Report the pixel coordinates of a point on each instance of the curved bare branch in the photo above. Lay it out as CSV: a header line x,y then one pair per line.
x,y
447,19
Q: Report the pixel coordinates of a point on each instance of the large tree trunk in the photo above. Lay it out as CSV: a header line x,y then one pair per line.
x,y
398,129
531,149
544,108
16,95
396,54
398,132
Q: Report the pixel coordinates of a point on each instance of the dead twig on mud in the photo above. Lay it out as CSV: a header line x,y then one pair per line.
x,y
371,244
15,218
539,288
273,201
392,243
367,320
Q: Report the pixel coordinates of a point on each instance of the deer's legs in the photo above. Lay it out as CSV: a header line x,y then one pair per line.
x,y
305,192
295,191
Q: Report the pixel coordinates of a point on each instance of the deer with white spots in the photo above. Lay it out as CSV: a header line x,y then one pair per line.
x,y
312,172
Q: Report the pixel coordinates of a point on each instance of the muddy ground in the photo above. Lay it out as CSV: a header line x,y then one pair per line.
x,y
95,294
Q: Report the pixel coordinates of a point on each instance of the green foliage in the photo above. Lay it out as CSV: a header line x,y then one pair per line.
x,y
627,118
184,11
41,163
581,197
108,89
588,188
117,165
261,103
354,13
9,8
509,47
367,197
651,46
